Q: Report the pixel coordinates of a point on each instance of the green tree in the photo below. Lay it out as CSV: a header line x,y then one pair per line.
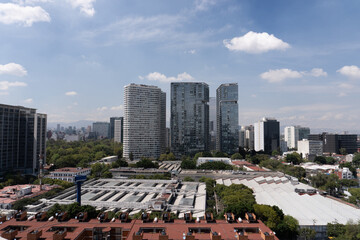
x,y
293,158
342,151
188,163
307,233
236,156
146,163
356,160
188,179
335,229
320,160
217,165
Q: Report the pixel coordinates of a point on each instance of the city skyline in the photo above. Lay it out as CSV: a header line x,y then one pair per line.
x,y
292,61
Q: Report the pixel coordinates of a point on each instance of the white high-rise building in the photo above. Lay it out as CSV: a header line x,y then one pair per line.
x,y
144,121
293,134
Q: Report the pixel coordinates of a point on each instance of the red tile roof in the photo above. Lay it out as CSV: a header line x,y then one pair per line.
x,y
175,230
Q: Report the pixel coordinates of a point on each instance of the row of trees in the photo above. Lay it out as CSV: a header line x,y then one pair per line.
x,y
348,231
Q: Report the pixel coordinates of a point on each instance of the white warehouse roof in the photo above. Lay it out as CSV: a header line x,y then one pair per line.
x,y
307,209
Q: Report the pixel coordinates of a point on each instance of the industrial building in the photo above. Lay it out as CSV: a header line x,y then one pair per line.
x,y
301,201
135,195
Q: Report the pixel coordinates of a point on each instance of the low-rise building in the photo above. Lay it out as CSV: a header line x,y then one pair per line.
x,y
68,174
11,194
137,229
202,160
344,173
309,149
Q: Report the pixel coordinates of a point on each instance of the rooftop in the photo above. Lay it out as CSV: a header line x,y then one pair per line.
x,y
151,230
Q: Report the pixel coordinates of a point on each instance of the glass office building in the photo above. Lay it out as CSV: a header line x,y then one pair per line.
x,y
189,118
22,139
227,114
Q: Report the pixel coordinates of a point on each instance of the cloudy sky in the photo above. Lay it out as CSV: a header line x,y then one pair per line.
x,y
297,61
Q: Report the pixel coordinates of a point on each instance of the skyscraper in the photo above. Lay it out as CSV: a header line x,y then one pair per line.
x,y
246,135
144,121
189,118
116,129
267,135
101,129
22,139
293,134
227,137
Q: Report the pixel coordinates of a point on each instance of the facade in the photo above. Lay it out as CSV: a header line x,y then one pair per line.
x,y
126,229
293,134
144,121
101,129
68,174
22,139
227,113
344,173
332,143
309,149
189,118
267,135
246,137
116,129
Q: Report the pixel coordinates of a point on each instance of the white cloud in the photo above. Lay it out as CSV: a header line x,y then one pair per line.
x,y
5,85
279,75
317,72
4,93
253,42
350,71
346,86
202,5
11,13
101,108
31,2
117,108
13,69
71,93
156,76
342,94
192,51
86,6
29,100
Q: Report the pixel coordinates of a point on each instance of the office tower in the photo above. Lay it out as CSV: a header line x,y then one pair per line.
x,y
293,134
116,129
267,135
246,135
116,125
168,139
332,143
58,128
163,122
144,121
22,139
309,149
189,118
227,115
101,129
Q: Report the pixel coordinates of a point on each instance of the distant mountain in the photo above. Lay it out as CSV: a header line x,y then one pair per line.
x,y
77,124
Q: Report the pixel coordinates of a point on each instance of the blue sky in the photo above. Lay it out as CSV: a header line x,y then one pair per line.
x,y
297,61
